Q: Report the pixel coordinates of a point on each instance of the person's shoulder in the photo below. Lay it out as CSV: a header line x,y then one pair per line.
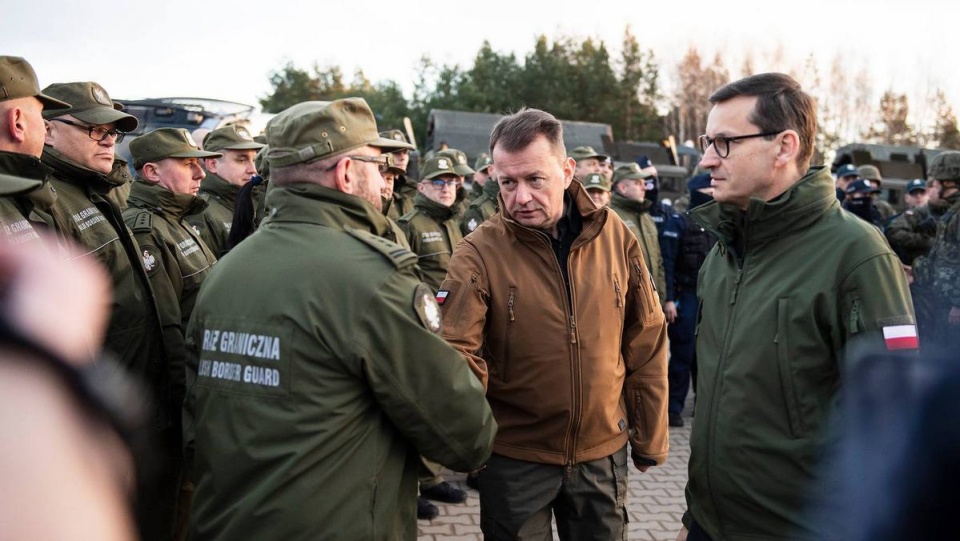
x,y
392,253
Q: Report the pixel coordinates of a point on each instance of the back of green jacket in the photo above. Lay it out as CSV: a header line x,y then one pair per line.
x,y
316,389
770,343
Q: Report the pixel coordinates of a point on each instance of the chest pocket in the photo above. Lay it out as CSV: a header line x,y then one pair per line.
x,y
650,309
501,366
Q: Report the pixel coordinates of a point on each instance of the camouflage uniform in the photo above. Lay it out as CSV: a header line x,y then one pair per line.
x,y
911,234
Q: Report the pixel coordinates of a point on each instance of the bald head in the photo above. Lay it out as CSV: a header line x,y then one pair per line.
x,y
21,126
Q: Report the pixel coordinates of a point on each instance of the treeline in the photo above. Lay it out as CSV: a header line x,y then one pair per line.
x,y
578,79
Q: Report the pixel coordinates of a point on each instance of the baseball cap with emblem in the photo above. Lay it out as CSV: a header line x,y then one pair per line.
x,y
916,185
945,166
586,152
231,137
165,143
869,172
314,130
847,170
439,165
397,136
90,103
459,158
482,162
18,80
596,181
863,185
630,171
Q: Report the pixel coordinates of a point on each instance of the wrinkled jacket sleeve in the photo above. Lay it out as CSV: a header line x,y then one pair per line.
x,y
465,307
422,383
645,353
874,295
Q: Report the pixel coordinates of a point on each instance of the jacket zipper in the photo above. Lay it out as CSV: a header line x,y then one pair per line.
x,y
616,285
510,302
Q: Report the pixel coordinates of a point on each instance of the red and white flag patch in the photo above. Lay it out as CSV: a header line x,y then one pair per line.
x,y
901,337
442,296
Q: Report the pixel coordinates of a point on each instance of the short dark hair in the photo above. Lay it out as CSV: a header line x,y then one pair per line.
x,y
781,105
515,132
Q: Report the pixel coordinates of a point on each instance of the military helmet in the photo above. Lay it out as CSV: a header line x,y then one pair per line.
x,y
946,166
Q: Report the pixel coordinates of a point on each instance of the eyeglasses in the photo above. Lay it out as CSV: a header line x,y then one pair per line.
x,y
382,165
96,133
721,144
439,183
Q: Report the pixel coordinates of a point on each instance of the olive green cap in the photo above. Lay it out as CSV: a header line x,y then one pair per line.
x,y
399,137
483,162
630,171
460,164
314,130
164,143
18,80
392,166
869,172
946,166
438,165
231,137
583,153
596,181
90,103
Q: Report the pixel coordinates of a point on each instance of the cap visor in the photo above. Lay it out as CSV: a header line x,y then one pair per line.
x,y
14,185
391,144
107,115
52,103
195,154
246,145
463,170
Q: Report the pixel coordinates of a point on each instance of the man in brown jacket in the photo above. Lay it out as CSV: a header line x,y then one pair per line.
x,y
551,303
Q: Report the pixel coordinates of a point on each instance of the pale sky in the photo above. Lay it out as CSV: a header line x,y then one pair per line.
x,y
225,49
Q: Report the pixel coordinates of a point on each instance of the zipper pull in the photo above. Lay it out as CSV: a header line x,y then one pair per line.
x,y
616,284
736,287
573,330
510,302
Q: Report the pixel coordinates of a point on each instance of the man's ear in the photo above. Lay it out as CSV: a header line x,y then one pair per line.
x,y
569,165
789,147
150,172
344,176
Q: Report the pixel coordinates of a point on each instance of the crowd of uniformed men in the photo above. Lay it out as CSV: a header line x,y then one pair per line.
x,y
161,234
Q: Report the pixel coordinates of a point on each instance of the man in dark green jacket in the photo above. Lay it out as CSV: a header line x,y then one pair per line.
x,y
630,203
80,144
791,283
224,178
315,391
176,260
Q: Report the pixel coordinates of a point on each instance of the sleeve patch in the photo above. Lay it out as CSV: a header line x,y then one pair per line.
x,y
427,308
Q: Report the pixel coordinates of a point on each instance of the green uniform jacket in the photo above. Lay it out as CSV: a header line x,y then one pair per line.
x,y
432,233
133,333
18,223
403,193
481,209
906,239
636,214
316,390
176,261
770,338
215,221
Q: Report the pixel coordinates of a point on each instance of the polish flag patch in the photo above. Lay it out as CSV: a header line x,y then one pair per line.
x,y
900,337
442,296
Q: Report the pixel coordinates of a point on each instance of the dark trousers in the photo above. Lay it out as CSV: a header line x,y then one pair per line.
x,y
588,500
683,351
696,533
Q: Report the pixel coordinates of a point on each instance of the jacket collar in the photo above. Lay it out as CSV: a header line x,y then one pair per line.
x,y
637,207
796,209
74,173
23,166
432,208
155,196
313,203
216,185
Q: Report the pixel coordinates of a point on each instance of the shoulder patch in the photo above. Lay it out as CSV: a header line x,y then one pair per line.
x,y
150,258
398,255
408,216
426,307
142,222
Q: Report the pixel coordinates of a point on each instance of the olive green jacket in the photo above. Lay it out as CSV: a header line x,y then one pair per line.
x,y
18,223
636,214
790,284
176,261
133,333
432,233
404,191
215,221
481,209
316,390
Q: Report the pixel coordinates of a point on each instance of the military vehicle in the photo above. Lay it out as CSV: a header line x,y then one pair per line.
x,y
470,132
898,165
189,113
